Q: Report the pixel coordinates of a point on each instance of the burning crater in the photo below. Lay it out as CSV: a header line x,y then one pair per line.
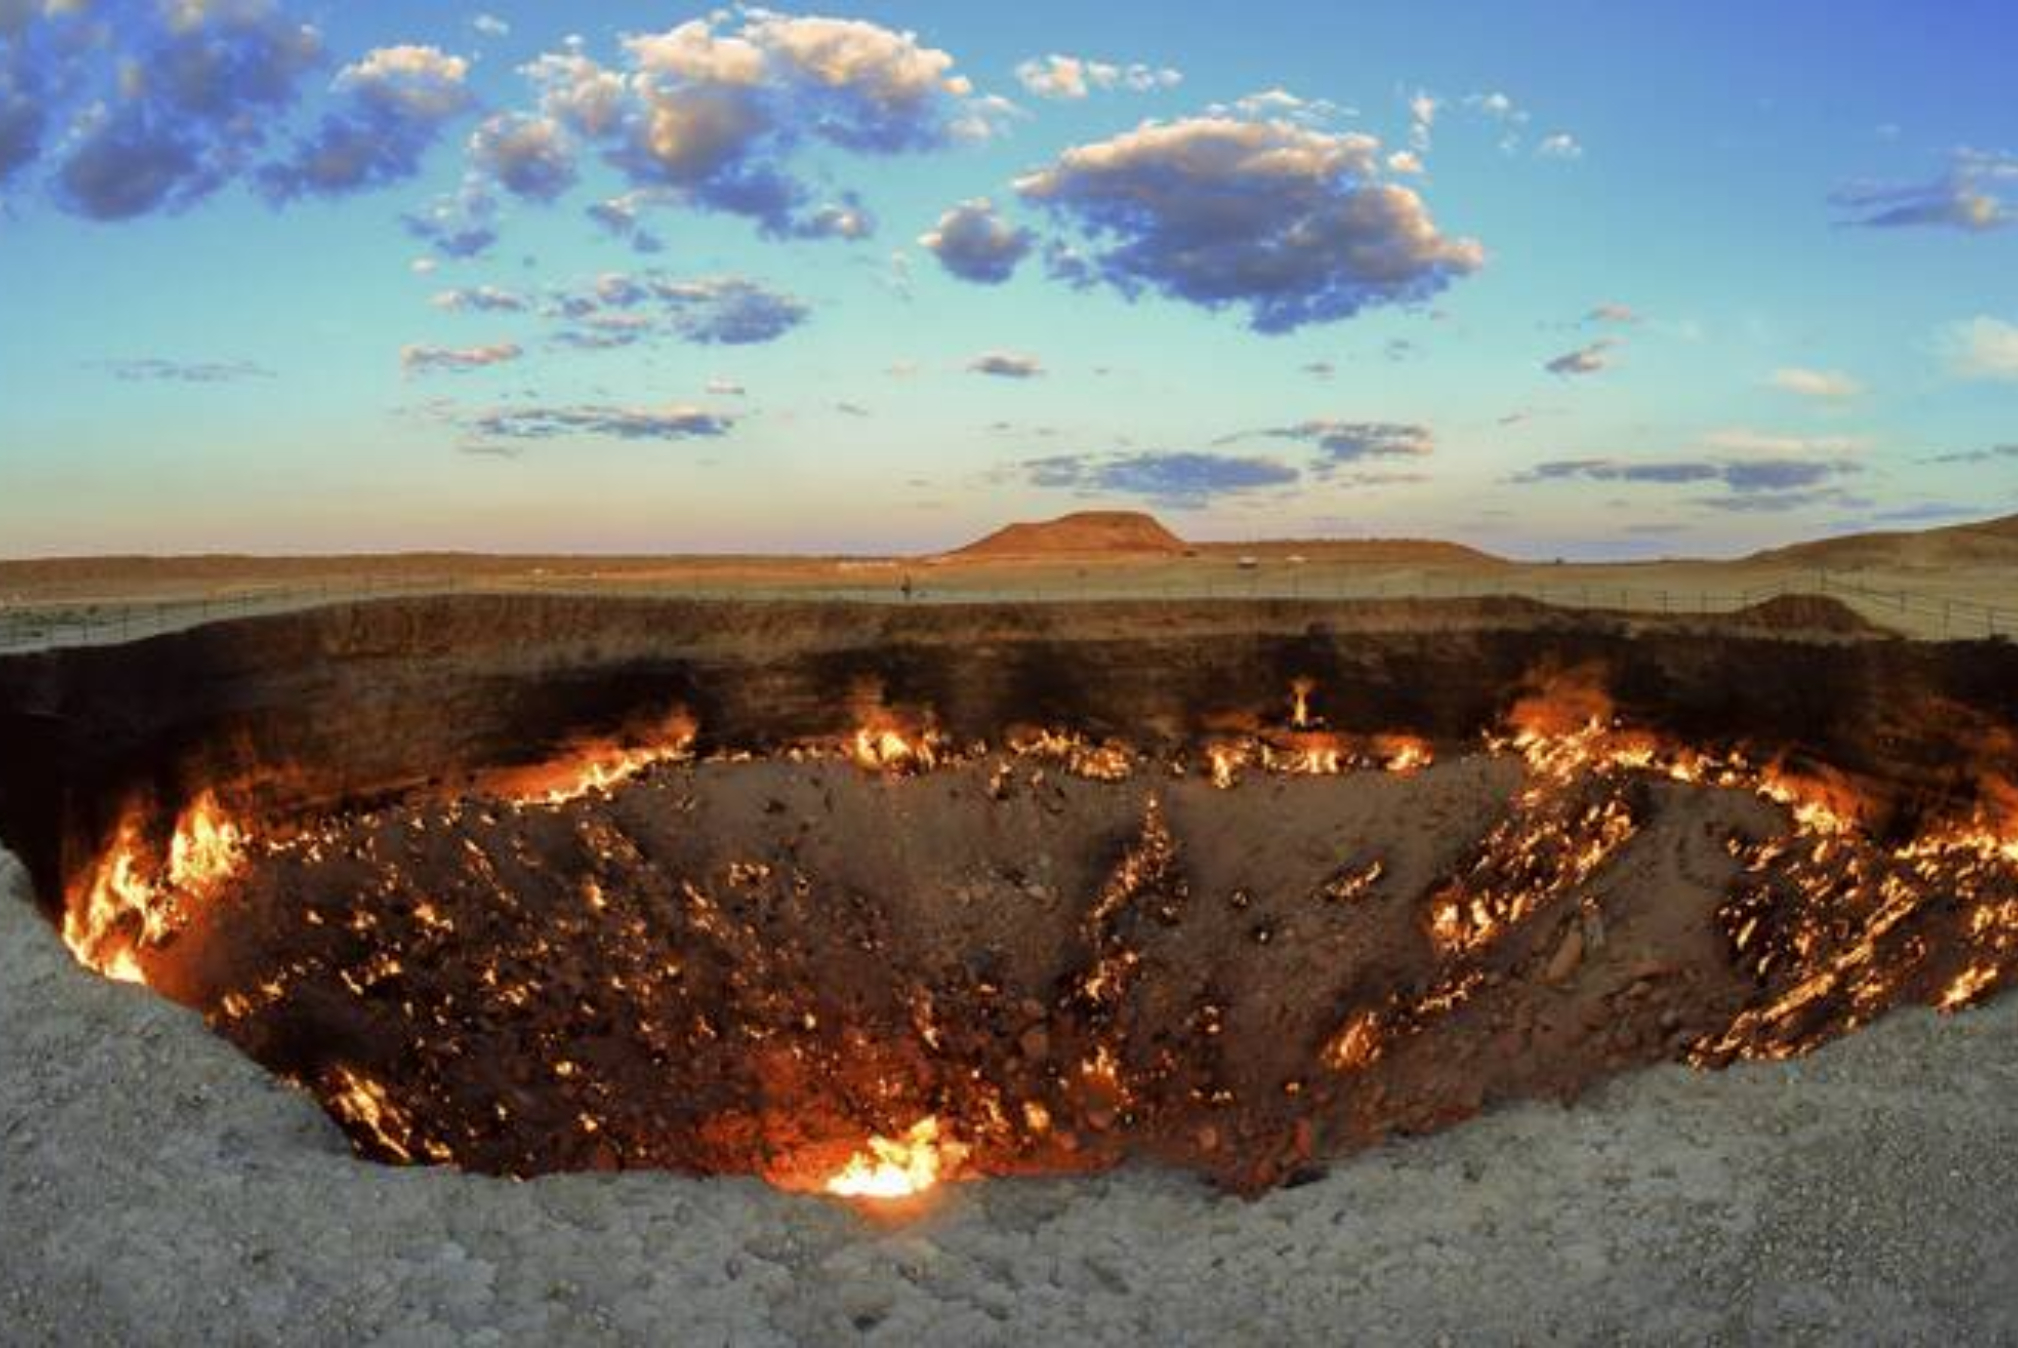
x,y
994,892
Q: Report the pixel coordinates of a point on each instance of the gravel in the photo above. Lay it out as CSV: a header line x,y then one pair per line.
x,y
156,1187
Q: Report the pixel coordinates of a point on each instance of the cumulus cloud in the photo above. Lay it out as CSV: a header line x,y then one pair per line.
x,y
175,99
1178,480
528,156
1983,348
1074,77
974,243
456,359
1006,365
1978,193
393,106
1287,221
1821,385
155,369
712,111
1353,441
1584,360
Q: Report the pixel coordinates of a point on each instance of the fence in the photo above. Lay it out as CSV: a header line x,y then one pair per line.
x,y
26,627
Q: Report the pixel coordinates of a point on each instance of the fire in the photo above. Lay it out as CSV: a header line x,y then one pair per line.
x,y
1299,711
596,766
893,749
123,911
1108,761
902,1167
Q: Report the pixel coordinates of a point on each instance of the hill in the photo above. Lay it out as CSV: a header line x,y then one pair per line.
x,y
1088,533
1983,543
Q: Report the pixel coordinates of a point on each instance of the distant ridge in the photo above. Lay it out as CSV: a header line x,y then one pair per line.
x,y
1087,533
1984,542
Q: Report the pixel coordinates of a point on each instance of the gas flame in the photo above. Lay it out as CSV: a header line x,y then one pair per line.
x,y
123,911
893,749
1299,708
595,766
902,1167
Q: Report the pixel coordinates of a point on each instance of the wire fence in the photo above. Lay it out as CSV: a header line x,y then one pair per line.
x,y
98,622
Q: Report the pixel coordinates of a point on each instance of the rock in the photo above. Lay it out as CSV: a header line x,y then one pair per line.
x,y
1568,956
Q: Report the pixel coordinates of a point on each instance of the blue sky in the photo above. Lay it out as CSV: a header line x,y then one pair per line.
x,y
1557,278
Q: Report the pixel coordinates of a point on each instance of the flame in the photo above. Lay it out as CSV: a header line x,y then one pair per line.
x,y
366,1106
883,745
1299,712
123,911
595,766
903,1167
1109,761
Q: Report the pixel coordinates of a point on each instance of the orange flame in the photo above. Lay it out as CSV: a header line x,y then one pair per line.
x,y
122,911
903,1167
595,766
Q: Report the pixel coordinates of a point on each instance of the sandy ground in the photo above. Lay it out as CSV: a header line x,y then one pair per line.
x,y
155,1187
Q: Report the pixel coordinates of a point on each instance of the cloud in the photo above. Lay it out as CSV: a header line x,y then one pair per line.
x,y
1561,145
1286,221
726,388
481,299
1353,441
1422,111
456,359
460,224
1983,348
1752,485
712,111
1006,365
490,25
729,311
1073,77
974,243
528,156
154,369
1822,385
1740,440
1584,360
706,311
172,101
1613,312
677,422
1283,106
1978,193
621,217
394,105
1993,454
1181,480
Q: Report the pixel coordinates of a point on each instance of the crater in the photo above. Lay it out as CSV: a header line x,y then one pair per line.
x,y
864,899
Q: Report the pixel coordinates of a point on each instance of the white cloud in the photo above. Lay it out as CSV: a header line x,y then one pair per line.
x,y
1561,145
1983,348
1823,385
1074,77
